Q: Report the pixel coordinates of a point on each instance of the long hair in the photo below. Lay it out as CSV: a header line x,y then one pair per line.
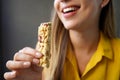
x,y
59,44
106,22
60,39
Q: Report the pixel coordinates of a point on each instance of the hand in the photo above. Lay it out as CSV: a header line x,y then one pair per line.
x,y
24,66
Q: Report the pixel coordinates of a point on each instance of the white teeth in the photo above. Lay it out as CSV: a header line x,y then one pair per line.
x,y
69,9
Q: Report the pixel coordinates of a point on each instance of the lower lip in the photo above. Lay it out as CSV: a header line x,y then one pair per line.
x,y
70,14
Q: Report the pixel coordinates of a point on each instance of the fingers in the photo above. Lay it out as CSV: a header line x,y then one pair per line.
x,y
23,57
30,51
26,54
14,65
10,75
23,60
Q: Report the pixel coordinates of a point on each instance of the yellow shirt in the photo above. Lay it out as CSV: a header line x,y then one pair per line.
x,y
103,65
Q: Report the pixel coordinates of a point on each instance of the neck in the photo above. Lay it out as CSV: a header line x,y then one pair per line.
x,y
84,42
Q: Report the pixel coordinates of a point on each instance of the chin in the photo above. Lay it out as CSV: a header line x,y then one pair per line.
x,y
70,25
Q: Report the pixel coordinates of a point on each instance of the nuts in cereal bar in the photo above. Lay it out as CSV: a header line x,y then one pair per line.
x,y
43,44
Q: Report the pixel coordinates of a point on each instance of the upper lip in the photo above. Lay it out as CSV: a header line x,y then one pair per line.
x,y
68,6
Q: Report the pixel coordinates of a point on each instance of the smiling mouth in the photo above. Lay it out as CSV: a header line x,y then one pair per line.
x,y
70,9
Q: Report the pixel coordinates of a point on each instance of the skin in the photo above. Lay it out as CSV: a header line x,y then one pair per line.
x,y
83,26
84,35
24,66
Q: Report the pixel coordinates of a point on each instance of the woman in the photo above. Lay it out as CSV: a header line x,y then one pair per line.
x,y
83,45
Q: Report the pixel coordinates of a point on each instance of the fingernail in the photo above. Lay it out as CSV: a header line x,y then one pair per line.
x,y
36,61
12,73
26,64
38,55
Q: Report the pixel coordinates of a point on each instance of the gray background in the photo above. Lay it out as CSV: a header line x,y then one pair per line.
x,y
20,20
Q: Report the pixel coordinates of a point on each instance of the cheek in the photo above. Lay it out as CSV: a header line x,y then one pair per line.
x,y
92,7
57,7
56,4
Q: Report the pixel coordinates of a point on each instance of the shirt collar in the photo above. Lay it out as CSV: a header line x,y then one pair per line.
x,y
105,46
104,49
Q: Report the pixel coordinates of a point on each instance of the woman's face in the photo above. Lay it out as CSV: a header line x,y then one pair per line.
x,y
77,13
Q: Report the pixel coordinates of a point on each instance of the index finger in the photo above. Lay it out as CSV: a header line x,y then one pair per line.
x,y
31,51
